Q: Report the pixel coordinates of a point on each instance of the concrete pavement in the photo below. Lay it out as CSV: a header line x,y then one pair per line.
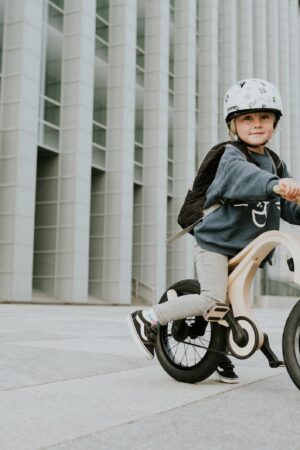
x,y
71,378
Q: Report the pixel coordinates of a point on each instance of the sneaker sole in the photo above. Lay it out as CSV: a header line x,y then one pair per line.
x,y
136,339
228,380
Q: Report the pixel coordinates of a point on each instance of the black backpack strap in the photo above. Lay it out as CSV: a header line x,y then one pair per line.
x,y
208,167
277,162
243,149
275,158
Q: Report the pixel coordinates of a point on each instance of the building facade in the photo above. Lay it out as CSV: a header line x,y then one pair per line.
x,y
107,108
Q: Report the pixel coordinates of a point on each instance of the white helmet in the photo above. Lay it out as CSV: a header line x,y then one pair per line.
x,y
251,95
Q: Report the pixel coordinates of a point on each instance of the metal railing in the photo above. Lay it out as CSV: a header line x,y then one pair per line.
x,y
142,291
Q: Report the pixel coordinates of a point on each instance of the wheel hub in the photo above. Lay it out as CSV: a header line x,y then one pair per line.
x,y
249,345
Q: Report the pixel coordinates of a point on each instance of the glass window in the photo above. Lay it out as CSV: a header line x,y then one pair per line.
x,y
140,32
53,67
102,30
51,113
171,73
55,17
170,169
99,158
140,76
100,93
140,57
101,49
99,135
138,174
1,42
102,9
50,137
172,10
138,153
52,88
170,162
59,3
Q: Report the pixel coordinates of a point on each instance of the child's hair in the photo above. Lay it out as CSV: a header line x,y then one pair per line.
x,y
232,127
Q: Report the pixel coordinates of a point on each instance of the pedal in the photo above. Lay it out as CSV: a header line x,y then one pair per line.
x,y
276,363
216,312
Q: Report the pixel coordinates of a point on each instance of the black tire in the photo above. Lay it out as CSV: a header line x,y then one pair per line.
x,y
189,360
291,344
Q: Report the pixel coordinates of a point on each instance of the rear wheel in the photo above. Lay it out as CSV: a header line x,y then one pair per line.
x,y
189,349
291,344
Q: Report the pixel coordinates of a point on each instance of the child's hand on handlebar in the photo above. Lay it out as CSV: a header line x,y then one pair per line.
x,y
289,189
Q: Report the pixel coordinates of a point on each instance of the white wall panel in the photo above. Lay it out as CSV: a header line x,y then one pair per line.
x,y
228,51
154,230
22,36
184,132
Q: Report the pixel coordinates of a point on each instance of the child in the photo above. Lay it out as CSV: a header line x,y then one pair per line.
x,y
252,109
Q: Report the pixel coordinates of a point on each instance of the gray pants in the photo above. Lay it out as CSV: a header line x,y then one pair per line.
x,y
212,270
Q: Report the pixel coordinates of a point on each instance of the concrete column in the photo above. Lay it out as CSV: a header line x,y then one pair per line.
x,y
76,150
273,57
284,71
184,136
294,46
18,121
208,55
245,39
260,38
260,53
120,151
154,232
228,55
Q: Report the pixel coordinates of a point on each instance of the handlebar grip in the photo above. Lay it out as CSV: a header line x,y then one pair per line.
x,y
280,191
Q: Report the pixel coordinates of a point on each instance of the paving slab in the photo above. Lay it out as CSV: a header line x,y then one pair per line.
x,y
71,378
238,419
82,406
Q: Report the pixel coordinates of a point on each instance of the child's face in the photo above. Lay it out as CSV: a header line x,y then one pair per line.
x,y
255,128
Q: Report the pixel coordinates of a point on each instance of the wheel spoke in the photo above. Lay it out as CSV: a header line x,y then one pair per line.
x,y
196,351
189,352
184,353
180,352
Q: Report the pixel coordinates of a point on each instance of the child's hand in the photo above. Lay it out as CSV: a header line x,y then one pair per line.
x,y
289,189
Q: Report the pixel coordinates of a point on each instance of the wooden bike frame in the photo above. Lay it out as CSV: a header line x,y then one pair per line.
x,y
244,265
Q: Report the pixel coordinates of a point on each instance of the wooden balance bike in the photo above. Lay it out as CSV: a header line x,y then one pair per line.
x,y
189,350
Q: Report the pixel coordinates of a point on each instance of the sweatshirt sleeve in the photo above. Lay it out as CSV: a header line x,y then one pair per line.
x,y
290,211
237,179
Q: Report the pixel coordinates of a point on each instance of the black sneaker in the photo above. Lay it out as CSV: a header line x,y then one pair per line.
x,y
143,332
225,371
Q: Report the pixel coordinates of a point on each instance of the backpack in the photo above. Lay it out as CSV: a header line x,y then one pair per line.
x,y
191,211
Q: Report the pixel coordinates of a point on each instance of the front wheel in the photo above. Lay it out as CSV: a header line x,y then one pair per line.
x,y
291,344
189,349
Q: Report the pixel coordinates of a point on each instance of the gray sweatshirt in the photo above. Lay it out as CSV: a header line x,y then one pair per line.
x,y
256,208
